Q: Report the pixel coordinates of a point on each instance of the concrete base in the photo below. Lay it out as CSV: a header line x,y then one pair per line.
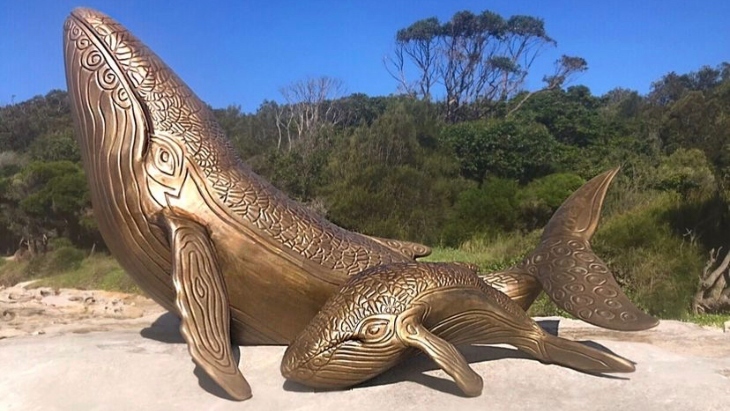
x,y
150,369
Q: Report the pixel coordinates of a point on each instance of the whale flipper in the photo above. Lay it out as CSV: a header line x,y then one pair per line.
x,y
407,248
203,304
410,330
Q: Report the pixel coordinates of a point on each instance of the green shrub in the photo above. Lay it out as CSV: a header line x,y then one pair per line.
x,y
656,267
60,242
503,148
687,172
12,272
63,259
97,272
539,199
66,267
486,211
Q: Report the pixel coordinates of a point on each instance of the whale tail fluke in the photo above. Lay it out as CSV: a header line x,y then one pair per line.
x,y
567,269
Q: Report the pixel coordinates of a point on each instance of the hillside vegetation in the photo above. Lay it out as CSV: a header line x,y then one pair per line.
x,y
477,180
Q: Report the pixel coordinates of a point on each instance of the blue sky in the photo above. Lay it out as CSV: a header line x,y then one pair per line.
x,y
243,52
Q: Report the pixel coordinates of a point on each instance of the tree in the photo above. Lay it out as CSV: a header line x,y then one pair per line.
x,y
23,123
483,211
566,67
417,43
571,116
359,109
473,57
540,198
393,178
672,86
502,148
310,106
47,200
250,134
713,289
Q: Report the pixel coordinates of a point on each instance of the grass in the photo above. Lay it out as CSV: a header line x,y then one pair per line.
x,y
66,269
70,268
490,254
657,271
98,272
712,320
497,254
13,272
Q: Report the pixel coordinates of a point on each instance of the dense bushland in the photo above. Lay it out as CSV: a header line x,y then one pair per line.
x,y
478,182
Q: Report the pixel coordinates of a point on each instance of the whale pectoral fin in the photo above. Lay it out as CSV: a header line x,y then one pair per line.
x,y
203,304
407,248
413,333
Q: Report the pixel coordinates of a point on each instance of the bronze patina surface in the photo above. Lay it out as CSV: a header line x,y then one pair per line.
x,y
236,259
382,314
567,269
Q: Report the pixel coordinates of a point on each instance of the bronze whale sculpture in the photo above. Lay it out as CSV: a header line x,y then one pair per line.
x,y
382,314
213,242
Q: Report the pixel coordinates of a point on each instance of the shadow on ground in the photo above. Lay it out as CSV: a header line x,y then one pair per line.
x,y
166,329
414,369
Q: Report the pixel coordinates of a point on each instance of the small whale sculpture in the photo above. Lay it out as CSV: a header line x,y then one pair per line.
x,y
381,315
232,256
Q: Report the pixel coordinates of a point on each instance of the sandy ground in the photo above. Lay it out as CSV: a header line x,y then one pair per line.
x,y
95,350
35,311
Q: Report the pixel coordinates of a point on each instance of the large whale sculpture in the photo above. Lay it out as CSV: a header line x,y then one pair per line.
x,y
237,260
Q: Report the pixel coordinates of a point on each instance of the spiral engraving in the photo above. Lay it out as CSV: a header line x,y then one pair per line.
x,y
176,111
92,59
120,97
571,273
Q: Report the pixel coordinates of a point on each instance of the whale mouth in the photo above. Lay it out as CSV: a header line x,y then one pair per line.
x,y
342,365
111,41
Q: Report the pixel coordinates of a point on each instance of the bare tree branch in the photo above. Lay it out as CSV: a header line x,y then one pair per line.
x,y
713,290
565,69
309,106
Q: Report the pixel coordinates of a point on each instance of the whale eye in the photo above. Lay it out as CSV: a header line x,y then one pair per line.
x,y
165,157
373,330
164,162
